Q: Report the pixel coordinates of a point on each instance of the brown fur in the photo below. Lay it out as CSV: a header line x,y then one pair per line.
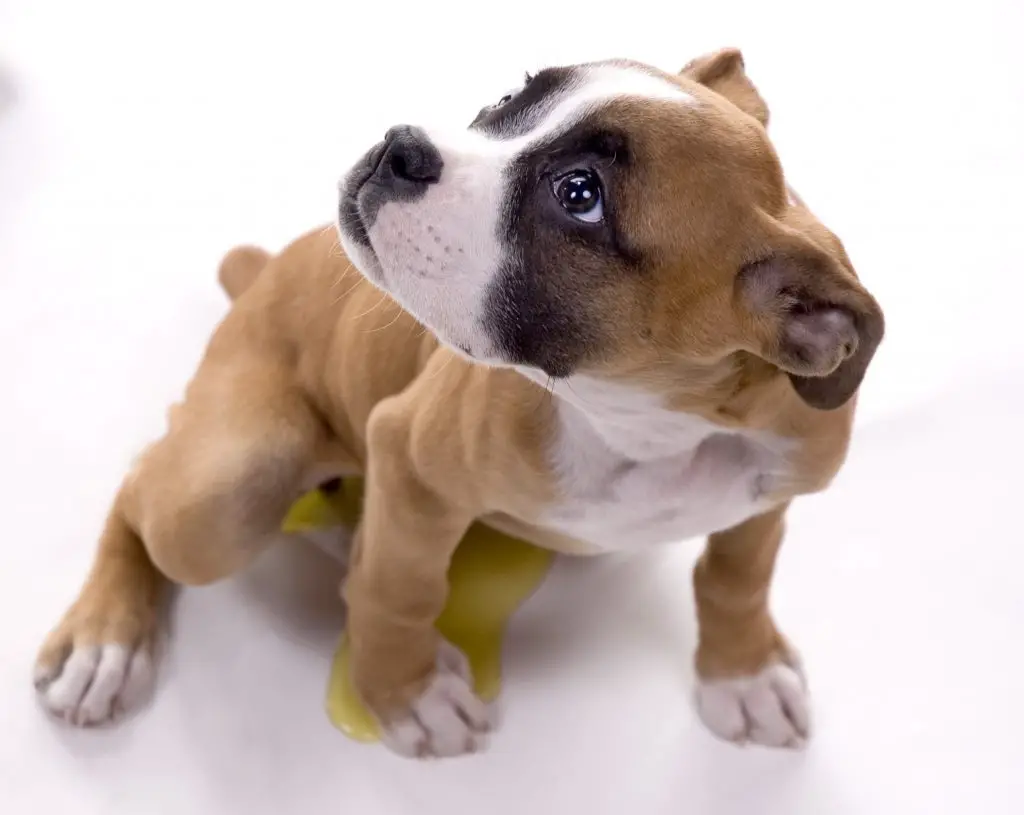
x,y
315,373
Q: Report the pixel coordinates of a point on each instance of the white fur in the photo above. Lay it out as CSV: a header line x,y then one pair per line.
x,y
448,719
769,708
436,255
632,472
95,683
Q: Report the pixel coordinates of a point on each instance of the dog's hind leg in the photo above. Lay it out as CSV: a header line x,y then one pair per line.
x,y
99,659
201,504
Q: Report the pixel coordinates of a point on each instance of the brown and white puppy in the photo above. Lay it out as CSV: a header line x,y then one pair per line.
x,y
620,236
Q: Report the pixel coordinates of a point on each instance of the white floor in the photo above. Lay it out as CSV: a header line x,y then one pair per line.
x,y
138,141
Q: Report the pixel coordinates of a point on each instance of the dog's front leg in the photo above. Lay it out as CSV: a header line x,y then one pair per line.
x,y
751,687
418,686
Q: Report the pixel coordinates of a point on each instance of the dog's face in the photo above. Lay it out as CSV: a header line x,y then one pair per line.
x,y
607,218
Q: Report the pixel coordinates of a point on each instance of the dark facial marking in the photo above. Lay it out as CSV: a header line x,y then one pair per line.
x,y
348,208
539,309
589,146
519,114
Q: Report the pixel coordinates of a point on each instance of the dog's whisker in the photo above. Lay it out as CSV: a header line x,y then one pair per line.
x,y
374,307
445,364
412,328
545,395
349,268
397,317
349,290
350,221
568,384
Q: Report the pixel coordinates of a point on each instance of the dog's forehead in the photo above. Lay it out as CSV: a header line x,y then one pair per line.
x,y
557,99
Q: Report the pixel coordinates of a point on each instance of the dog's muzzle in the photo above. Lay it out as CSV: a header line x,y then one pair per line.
x,y
400,168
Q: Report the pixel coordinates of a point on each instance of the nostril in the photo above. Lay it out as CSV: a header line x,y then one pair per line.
x,y
413,163
399,167
411,156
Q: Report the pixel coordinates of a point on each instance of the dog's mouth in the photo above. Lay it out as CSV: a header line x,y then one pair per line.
x,y
350,216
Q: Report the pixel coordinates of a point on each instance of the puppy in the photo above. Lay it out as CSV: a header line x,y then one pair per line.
x,y
619,237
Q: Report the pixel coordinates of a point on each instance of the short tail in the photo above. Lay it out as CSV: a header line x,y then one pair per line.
x,y
240,268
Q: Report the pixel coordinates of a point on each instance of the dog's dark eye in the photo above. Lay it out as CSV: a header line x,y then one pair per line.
x,y
579,193
504,100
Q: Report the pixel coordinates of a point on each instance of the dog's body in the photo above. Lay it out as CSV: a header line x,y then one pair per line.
x,y
649,408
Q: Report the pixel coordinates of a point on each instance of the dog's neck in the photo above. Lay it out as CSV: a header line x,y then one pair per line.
x,y
644,418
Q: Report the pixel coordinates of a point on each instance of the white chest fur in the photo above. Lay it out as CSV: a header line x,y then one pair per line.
x,y
631,472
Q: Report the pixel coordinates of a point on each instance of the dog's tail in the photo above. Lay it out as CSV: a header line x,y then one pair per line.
x,y
240,268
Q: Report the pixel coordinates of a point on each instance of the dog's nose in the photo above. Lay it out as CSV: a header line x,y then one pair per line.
x,y
408,158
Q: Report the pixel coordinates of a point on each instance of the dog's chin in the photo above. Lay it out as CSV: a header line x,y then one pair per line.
x,y
472,351
476,350
360,252
490,357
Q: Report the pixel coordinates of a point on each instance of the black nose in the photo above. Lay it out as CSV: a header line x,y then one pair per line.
x,y
408,159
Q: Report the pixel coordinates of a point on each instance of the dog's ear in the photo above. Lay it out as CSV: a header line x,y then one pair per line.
x,y
724,73
808,314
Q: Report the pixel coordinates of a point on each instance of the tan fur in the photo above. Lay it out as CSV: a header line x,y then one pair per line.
x,y
282,400
731,579
314,373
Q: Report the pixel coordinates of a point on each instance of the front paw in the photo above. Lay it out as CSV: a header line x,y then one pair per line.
x,y
768,708
447,718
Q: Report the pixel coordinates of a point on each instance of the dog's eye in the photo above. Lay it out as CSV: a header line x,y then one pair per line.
x,y
579,193
504,100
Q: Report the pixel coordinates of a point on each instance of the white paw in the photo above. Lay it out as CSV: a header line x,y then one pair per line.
x,y
95,683
769,708
448,719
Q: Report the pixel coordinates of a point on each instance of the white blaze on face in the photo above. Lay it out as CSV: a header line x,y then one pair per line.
x,y
438,254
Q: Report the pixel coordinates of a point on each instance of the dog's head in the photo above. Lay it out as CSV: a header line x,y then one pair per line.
x,y
610,217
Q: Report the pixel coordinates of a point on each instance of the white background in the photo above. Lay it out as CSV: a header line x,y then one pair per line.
x,y
140,140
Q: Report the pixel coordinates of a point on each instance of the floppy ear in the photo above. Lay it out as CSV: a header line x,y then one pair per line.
x,y
810,316
723,72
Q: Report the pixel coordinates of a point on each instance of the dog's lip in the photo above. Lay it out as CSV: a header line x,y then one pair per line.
x,y
375,156
350,219
371,163
353,185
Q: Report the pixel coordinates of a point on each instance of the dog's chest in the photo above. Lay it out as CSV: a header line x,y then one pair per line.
x,y
631,474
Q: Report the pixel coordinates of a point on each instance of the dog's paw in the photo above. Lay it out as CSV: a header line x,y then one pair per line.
x,y
770,708
448,718
88,683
